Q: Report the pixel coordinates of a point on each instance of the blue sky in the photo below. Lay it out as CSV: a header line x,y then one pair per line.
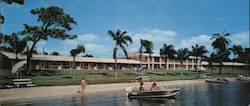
x,y
182,23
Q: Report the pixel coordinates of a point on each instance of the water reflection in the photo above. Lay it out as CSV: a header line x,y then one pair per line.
x,y
79,100
149,102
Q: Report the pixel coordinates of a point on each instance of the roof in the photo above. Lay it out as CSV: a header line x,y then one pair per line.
x,y
225,63
70,58
155,55
234,63
146,54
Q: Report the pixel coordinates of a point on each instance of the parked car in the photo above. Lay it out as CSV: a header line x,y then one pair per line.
x,y
145,78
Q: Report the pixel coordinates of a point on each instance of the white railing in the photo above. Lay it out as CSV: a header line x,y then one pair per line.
x,y
18,65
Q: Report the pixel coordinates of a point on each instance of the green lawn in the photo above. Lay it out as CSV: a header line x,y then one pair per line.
x,y
64,77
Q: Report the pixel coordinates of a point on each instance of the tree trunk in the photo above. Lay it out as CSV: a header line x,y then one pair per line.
x,y
247,66
196,62
16,57
181,69
115,67
140,57
211,67
73,66
28,72
27,68
29,55
15,49
233,65
150,59
166,63
220,69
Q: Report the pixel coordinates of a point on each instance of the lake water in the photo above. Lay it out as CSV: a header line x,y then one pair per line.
x,y
208,94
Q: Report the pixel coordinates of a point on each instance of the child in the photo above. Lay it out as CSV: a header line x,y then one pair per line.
x,y
83,85
141,81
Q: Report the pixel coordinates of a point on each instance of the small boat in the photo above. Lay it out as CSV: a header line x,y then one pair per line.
x,y
160,92
217,80
243,78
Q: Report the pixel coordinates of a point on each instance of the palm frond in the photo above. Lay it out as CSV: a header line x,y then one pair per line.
x,y
124,32
118,32
215,36
124,42
111,33
227,34
124,50
128,38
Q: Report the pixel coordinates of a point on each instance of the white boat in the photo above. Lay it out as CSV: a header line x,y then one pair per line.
x,y
134,92
217,80
243,78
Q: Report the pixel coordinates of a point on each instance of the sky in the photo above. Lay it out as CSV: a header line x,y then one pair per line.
x,y
182,23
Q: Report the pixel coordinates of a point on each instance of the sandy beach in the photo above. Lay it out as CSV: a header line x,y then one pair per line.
x,y
56,91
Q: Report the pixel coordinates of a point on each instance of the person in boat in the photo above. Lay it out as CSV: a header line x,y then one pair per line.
x,y
241,75
153,86
83,83
141,81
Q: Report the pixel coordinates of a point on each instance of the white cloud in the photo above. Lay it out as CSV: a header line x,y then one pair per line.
x,y
162,32
80,40
40,45
93,47
88,37
241,38
155,35
134,49
200,39
14,5
70,42
98,49
91,43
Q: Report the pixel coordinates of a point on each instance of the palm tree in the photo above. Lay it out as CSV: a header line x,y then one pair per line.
x,y
121,40
245,57
220,44
148,46
74,52
168,52
247,53
236,50
210,59
182,54
198,51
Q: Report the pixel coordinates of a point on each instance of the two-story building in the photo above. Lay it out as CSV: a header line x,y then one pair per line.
x,y
153,62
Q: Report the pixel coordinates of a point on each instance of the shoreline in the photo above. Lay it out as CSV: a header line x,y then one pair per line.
x,y
57,91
